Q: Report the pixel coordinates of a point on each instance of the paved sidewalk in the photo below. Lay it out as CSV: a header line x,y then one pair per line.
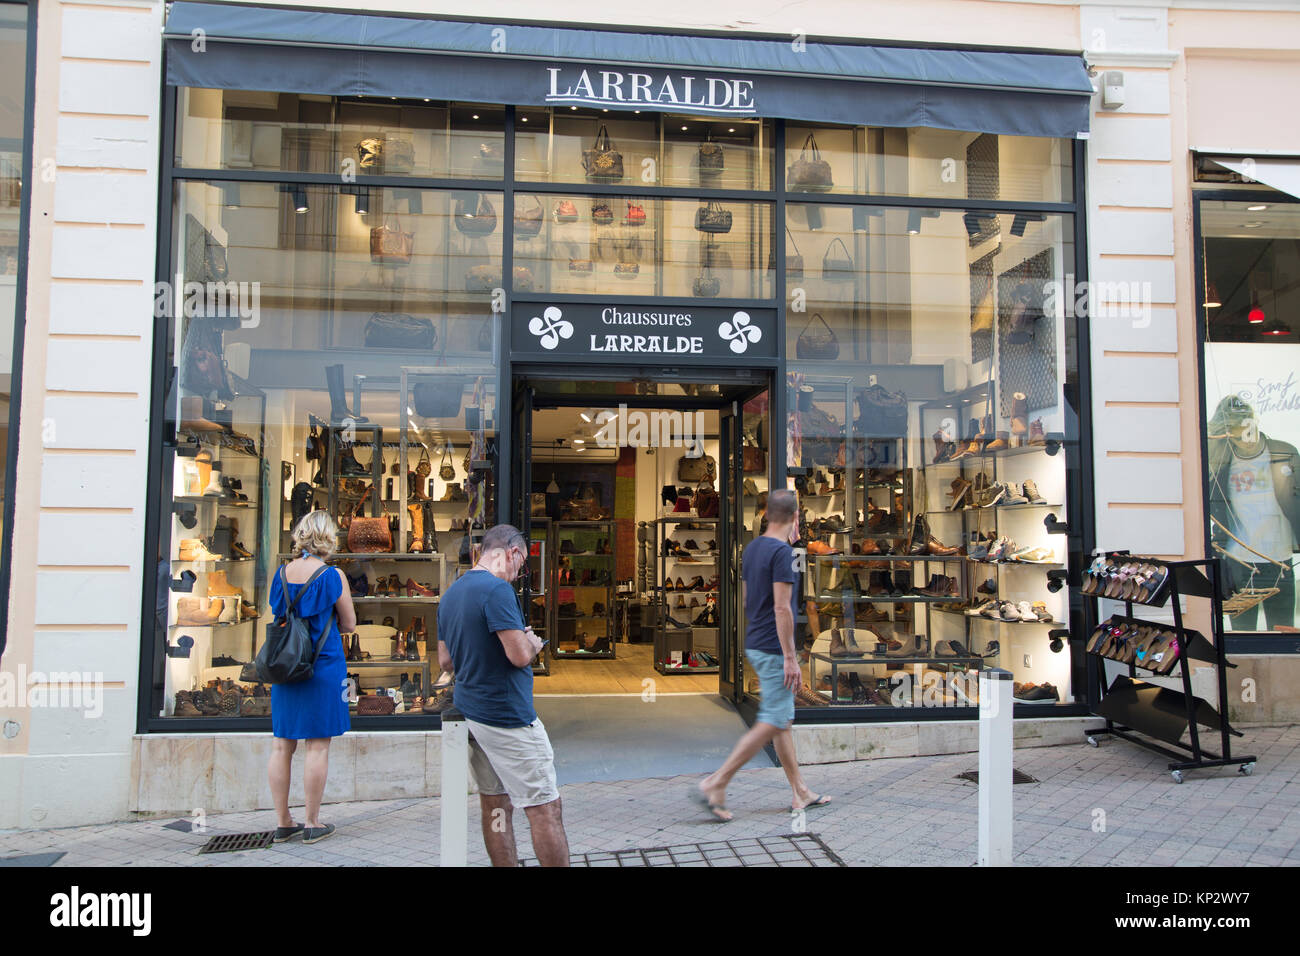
x,y
1115,805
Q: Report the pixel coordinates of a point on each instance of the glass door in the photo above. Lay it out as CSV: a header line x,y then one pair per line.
x,y
730,542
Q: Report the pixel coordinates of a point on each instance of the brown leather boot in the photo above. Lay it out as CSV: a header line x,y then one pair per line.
x,y
838,647
1019,415
1036,436
1003,440
937,547
416,511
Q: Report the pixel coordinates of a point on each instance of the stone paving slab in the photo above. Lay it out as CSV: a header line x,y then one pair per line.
x,y
1112,805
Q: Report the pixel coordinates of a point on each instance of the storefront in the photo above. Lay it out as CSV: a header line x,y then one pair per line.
x,y
417,270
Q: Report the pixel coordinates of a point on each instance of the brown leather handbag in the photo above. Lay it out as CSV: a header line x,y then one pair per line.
x,y
389,244
754,459
706,500
369,535
375,705
817,342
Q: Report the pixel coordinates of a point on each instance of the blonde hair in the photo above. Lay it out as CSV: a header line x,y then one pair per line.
x,y
316,534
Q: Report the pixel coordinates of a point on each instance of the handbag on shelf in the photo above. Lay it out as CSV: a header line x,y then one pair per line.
x,y
626,270
711,217
581,267
710,158
389,245
424,466
753,459
397,330
881,413
398,154
817,342
566,211
482,278
477,217
491,157
601,213
793,262
695,470
446,470
706,286
705,500
438,399
369,536
370,154
523,279
375,705
809,173
837,268
635,214
603,163
528,222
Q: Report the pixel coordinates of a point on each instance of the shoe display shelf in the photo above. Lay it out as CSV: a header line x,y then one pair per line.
x,y
957,470
583,613
535,592
675,632
215,483
1155,716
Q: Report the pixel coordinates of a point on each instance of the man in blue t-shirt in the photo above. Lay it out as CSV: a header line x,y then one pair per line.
x,y
768,569
484,642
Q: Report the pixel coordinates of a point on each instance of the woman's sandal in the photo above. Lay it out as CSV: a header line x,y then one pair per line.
x,y
716,810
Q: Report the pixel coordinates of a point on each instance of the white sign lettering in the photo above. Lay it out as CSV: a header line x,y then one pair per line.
x,y
708,94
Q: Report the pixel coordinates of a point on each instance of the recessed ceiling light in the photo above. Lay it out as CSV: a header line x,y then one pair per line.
x,y
636,111
732,130
683,129
585,417
1259,208
426,99
605,109
524,118
475,116
1251,225
579,441
573,108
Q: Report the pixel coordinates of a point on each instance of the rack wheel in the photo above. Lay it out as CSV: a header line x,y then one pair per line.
x,y
1177,775
1092,742
1246,768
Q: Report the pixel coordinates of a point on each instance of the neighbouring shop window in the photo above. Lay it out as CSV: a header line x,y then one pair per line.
x,y
930,356
1250,297
933,163
339,352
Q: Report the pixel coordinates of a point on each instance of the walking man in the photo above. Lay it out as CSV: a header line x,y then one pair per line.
x,y
484,641
767,567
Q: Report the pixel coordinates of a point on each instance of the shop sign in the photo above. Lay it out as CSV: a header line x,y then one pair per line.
x,y
638,333
656,89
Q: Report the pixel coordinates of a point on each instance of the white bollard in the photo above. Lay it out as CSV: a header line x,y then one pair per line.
x,y
454,844
996,703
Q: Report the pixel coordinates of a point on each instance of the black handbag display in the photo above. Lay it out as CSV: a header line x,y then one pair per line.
x,y
440,399
706,285
837,268
397,330
710,158
289,654
476,217
881,413
817,343
711,217
603,163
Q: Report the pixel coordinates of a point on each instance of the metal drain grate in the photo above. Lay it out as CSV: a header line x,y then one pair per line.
x,y
800,849
233,842
1017,776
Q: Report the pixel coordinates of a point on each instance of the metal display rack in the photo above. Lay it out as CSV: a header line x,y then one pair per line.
x,y
588,574
1132,706
680,638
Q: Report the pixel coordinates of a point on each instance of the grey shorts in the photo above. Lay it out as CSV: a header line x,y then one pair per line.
x,y
514,760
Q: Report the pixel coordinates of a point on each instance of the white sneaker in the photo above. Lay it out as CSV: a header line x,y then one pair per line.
x,y
1026,612
1009,612
1013,495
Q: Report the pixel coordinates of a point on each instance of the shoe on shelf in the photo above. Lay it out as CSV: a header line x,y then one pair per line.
x,y
1037,694
1034,556
992,649
1036,436
1040,611
987,609
959,496
193,549
1026,611
1008,612
993,494
1013,495
1031,492
990,586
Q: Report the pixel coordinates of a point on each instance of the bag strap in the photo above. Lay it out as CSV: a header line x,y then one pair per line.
x,y
603,133
790,236
284,585
837,239
816,317
811,144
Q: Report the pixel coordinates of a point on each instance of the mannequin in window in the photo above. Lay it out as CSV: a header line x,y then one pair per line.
x,y
1254,495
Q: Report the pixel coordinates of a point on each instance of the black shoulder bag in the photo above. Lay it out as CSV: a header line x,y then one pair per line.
x,y
288,655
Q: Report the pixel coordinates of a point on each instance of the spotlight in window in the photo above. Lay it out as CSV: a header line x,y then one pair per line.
x,y
475,116
230,195
1259,208
426,99
683,129
574,108
300,205
731,129
579,441
523,119
973,222
914,218
1275,328
363,202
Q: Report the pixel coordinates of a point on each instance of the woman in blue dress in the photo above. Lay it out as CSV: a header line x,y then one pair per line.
x,y
312,710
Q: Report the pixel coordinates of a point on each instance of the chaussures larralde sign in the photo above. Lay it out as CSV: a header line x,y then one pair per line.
x,y
634,333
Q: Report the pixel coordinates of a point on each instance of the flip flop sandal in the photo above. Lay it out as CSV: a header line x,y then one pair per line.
x,y
1170,657
1096,640
1160,577
715,809
821,801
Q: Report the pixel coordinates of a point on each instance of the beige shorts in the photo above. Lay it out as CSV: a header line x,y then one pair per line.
x,y
514,760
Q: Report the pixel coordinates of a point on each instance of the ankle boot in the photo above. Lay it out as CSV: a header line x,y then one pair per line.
x,y
416,511
339,397
430,532
400,653
1036,436
943,447
412,641
1003,440
973,441
878,585
354,648
838,647
218,586
213,488
902,583
1019,415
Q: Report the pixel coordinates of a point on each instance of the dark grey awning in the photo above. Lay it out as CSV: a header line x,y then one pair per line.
x,y
224,46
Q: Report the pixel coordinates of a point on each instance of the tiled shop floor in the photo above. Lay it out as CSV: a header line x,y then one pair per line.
x,y
1091,807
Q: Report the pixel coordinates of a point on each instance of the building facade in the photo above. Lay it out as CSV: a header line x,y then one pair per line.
x,y
383,263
